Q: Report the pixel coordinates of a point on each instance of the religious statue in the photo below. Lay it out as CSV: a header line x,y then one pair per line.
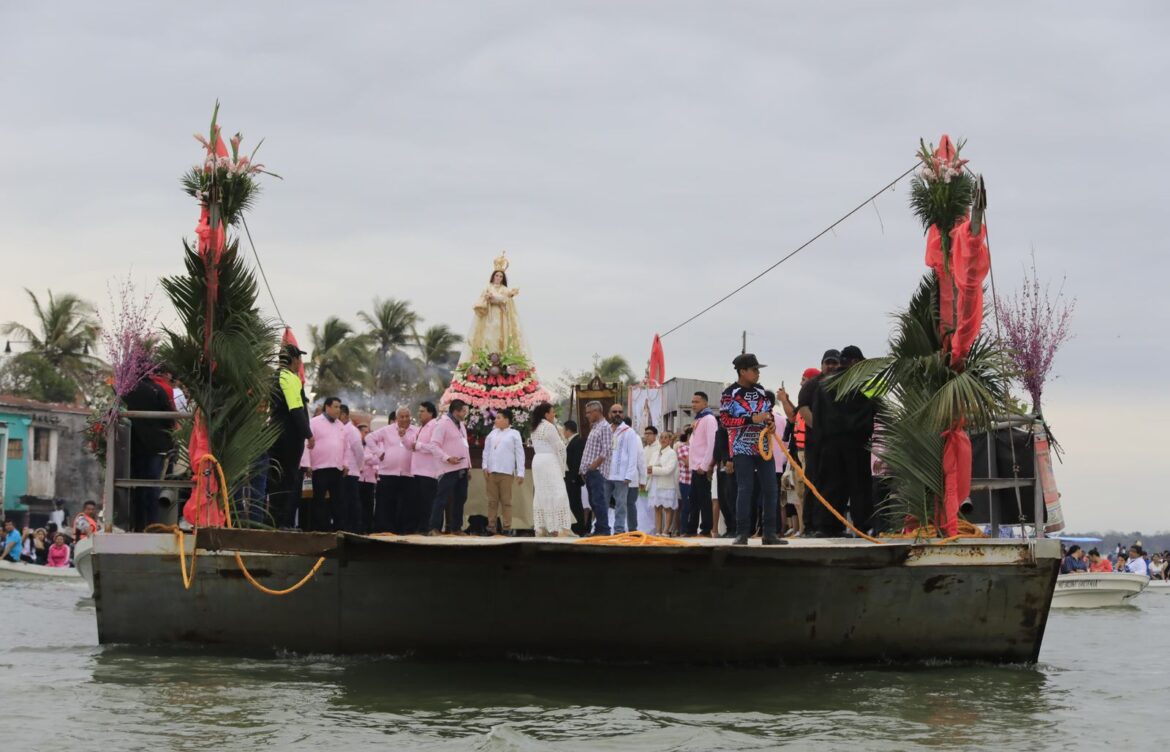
x,y
496,328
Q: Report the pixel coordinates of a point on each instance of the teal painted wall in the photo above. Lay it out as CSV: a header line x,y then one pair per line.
x,y
16,471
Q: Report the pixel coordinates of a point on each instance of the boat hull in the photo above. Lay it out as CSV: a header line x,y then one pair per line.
x,y
1161,587
823,601
1097,589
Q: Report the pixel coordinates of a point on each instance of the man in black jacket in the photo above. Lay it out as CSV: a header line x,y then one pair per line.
x,y
287,410
574,450
150,442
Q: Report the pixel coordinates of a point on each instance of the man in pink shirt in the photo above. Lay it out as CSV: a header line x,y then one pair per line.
x,y
394,445
449,446
700,519
426,470
327,458
351,508
367,482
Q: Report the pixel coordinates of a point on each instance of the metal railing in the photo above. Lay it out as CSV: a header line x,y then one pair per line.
x,y
113,482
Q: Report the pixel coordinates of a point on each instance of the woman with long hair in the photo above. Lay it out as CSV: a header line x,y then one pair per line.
x,y
550,501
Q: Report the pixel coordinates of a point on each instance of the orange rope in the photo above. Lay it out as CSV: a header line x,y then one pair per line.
x,y
188,579
632,538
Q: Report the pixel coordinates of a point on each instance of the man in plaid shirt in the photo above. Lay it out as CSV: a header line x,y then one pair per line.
x,y
595,466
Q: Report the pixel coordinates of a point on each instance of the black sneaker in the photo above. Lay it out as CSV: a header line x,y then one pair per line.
x,y
774,540
741,540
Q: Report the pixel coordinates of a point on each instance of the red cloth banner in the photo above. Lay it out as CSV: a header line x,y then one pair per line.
x,y
657,372
203,508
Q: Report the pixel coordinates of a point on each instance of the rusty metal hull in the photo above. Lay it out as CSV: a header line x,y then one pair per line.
x,y
823,601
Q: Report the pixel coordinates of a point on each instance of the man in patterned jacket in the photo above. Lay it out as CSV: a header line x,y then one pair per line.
x,y
745,410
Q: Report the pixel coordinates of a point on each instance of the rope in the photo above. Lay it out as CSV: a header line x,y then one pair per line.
x,y
260,266
800,248
190,578
632,538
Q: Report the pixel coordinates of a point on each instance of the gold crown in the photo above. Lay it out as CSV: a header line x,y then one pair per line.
x,y
501,262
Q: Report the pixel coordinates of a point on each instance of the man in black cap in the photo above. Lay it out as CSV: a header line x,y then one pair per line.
x,y
745,410
287,411
843,426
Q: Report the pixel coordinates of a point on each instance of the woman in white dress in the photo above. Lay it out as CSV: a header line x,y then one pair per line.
x,y
550,501
662,486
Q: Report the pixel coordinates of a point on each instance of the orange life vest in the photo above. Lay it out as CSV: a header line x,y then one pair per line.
x,y
78,534
799,432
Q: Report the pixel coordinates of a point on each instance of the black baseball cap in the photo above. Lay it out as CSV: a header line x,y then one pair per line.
x,y
852,352
291,351
831,355
746,361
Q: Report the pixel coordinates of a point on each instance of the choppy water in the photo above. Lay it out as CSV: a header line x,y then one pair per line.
x,y
1101,681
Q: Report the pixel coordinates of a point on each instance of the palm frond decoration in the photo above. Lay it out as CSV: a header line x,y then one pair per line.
x,y
243,348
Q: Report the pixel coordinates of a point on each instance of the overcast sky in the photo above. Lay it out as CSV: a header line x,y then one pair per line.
x,y
637,160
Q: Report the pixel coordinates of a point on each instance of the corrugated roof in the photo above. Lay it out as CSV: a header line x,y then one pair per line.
x,y
23,403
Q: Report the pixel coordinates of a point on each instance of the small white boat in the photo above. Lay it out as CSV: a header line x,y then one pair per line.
x,y
24,571
1159,587
1097,589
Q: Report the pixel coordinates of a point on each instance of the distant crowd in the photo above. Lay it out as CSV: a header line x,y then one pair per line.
x,y
51,545
1133,559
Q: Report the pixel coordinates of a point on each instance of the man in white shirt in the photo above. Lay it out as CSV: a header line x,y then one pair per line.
x,y
1137,562
626,452
503,466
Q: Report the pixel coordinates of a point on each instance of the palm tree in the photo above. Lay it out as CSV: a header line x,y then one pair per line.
x,y
66,331
614,368
437,356
921,396
338,356
392,326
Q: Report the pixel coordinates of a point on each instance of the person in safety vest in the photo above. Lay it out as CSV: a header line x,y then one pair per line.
x,y
796,435
287,411
85,523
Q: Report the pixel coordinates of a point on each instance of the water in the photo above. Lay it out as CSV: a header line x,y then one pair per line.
x,y
1101,680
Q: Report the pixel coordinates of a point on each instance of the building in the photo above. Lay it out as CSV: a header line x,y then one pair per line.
x,y
676,401
44,457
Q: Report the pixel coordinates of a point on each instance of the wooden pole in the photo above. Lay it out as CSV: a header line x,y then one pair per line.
x,y
107,511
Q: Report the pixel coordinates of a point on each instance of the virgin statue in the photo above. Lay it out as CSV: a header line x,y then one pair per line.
x,y
496,328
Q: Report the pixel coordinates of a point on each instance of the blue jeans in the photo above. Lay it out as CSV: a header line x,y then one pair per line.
x,y
598,501
632,508
753,469
452,484
619,493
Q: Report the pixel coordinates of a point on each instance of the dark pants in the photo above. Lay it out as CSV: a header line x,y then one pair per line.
x,y
700,516
845,479
454,485
144,500
423,492
573,489
684,506
632,508
284,481
322,513
728,498
254,492
406,508
386,504
811,473
366,497
351,506
598,501
752,472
